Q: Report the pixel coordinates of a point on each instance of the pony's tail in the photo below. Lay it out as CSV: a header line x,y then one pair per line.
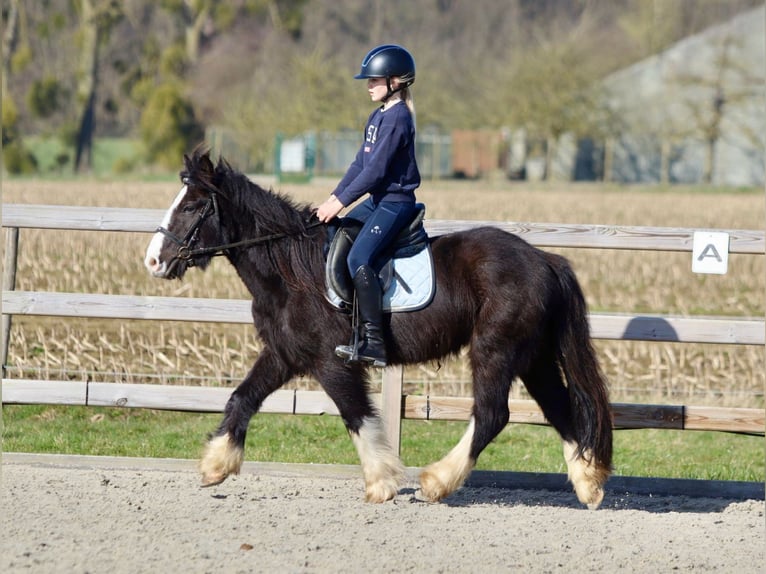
x,y
587,385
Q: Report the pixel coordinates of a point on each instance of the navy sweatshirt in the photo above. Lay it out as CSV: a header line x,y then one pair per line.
x,y
385,165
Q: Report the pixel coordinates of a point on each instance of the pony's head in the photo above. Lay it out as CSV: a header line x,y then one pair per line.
x,y
193,220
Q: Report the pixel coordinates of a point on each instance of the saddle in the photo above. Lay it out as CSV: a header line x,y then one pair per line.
x,y
405,269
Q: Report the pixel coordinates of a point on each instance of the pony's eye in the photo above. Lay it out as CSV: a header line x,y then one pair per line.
x,y
189,208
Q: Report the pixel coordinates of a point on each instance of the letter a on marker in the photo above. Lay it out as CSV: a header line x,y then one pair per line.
x,y
710,252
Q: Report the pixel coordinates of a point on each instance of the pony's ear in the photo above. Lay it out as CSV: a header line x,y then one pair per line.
x,y
183,174
223,166
205,164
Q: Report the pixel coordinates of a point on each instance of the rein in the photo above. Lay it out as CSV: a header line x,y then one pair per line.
x,y
188,254
185,251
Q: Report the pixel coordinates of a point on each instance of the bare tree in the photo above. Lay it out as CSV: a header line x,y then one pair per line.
x,y
96,19
9,42
552,92
709,93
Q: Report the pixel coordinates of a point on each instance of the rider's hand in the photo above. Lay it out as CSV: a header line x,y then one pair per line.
x,y
329,209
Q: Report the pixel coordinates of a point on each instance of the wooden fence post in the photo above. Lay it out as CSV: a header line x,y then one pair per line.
x,y
391,405
9,283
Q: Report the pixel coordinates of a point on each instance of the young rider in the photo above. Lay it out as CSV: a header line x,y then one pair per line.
x,y
386,171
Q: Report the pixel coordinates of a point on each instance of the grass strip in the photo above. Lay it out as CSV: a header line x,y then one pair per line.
x,y
323,439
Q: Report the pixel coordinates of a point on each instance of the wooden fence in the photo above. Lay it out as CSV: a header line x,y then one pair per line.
x,y
394,405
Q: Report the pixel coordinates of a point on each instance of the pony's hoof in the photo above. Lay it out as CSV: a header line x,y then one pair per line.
x,y
212,479
592,499
379,493
589,493
220,460
586,475
384,484
431,488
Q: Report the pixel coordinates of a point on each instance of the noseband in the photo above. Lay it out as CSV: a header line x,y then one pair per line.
x,y
185,251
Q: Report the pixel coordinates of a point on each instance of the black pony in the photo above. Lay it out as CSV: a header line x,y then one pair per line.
x,y
519,310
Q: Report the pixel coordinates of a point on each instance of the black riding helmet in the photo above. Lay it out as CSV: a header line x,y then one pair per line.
x,y
387,61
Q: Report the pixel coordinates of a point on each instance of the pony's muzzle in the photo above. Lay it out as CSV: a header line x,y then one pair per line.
x,y
155,267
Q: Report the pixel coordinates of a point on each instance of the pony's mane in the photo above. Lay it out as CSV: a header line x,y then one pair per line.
x,y
270,212
273,211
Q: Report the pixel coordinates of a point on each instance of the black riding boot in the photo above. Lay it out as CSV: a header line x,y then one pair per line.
x,y
369,298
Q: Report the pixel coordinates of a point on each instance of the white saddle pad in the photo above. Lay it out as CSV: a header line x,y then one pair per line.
x,y
412,286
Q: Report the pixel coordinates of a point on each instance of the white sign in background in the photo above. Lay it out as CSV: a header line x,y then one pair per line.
x,y
292,156
710,252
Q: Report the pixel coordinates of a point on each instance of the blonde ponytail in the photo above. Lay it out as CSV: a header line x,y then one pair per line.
x,y
408,99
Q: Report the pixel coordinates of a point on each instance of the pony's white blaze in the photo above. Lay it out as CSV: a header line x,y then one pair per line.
x,y
152,260
586,477
444,477
382,469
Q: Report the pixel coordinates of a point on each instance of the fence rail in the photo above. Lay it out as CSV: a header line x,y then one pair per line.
x,y
394,405
730,330
417,407
541,234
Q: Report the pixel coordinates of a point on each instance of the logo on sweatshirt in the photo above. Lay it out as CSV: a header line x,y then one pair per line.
x,y
372,134
376,230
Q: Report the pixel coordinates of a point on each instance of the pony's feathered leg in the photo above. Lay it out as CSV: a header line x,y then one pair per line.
x,y
544,382
492,376
589,454
382,469
587,477
222,457
225,450
440,479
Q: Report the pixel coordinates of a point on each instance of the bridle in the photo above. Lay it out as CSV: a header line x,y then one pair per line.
x,y
187,253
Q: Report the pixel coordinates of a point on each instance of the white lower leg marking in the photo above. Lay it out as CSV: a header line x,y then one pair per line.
x,y
444,477
220,459
382,469
584,475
